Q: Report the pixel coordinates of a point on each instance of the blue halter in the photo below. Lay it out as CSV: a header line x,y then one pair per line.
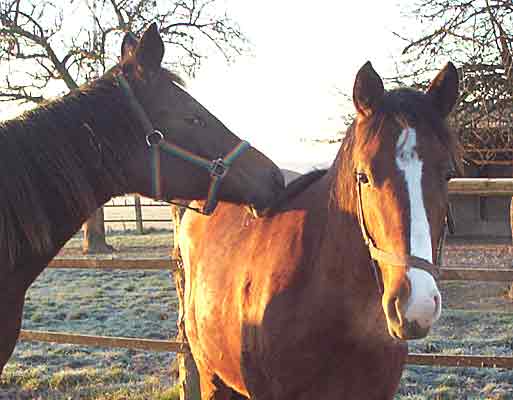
x,y
217,168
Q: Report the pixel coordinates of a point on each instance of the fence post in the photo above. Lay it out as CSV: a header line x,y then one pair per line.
x,y
188,378
94,234
138,214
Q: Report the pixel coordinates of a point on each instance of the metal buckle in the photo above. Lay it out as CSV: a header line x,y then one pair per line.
x,y
154,138
218,169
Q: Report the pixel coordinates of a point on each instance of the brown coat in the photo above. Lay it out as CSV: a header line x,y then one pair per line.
x,y
286,307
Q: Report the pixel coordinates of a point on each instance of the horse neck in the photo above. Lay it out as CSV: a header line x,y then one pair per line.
x,y
340,282
343,255
65,160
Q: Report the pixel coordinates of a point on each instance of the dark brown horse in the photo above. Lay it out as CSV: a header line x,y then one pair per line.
x,y
61,161
287,306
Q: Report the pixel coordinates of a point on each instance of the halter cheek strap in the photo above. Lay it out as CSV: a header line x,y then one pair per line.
x,y
217,168
395,260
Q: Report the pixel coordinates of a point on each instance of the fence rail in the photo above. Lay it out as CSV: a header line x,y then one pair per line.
x,y
442,360
481,186
105,341
114,263
180,347
453,273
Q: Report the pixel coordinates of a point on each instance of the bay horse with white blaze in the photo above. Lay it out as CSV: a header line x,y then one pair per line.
x,y
286,307
133,130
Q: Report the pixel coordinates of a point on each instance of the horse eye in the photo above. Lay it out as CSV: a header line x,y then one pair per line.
x,y
362,177
195,121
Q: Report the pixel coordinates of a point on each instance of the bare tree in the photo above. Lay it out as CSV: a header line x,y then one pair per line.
x,y
48,47
477,36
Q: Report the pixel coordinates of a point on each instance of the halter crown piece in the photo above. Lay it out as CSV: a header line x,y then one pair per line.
x,y
217,168
378,255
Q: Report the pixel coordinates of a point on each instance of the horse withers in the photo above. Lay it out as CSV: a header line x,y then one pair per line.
x,y
289,306
133,130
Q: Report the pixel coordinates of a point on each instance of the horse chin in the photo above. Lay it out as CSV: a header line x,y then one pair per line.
x,y
408,331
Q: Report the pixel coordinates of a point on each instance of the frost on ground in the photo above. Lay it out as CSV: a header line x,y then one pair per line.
x,y
97,302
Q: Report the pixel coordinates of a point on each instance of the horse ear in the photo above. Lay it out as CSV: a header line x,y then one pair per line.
x,y
128,45
443,90
150,51
368,90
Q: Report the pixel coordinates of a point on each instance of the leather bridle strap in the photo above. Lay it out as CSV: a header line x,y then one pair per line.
x,y
217,168
396,260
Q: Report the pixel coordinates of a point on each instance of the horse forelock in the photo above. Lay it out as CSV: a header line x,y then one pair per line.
x,y
403,108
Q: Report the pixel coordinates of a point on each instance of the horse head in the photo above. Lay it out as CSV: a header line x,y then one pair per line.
x,y
195,150
403,157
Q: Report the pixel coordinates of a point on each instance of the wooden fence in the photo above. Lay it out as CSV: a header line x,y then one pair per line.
x,y
483,187
137,208
448,274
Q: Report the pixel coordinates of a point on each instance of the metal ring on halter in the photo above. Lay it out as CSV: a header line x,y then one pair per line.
x,y
218,169
154,142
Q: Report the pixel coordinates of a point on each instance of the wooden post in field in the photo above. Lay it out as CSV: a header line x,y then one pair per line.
x,y
188,378
94,235
510,291
138,214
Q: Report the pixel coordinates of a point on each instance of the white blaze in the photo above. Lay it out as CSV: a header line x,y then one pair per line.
x,y
425,303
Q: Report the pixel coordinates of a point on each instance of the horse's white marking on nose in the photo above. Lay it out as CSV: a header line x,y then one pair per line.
x,y
424,305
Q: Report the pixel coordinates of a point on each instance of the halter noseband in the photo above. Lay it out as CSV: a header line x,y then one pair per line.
x,y
396,260
217,168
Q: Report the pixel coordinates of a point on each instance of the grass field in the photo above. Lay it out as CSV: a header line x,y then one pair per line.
x,y
463,332
478,320
111,303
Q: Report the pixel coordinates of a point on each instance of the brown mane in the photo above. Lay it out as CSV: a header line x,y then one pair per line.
x,y
294,188
41,159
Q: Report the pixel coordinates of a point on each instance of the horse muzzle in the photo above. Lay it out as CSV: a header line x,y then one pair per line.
x,y
413,307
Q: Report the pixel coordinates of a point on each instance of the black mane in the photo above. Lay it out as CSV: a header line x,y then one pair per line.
x,y
61,154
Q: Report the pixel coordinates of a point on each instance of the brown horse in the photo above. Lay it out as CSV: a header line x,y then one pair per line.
x,y
287,306
63,160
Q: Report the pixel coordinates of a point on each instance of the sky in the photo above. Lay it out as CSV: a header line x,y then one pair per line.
x,y
304,53
286,93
